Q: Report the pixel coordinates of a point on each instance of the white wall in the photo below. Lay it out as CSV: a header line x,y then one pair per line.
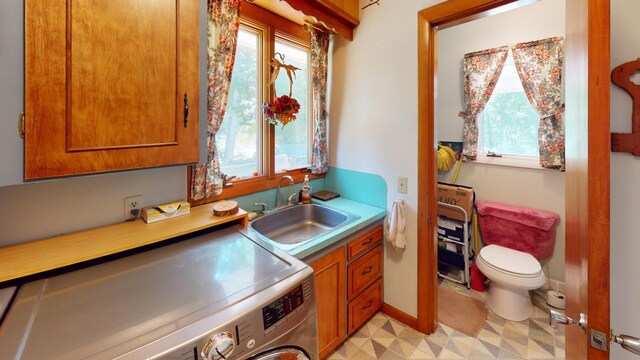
x,y
373,117
625,192
11,90
44,209
535,188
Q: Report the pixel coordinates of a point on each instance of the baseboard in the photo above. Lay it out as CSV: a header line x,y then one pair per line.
x,y
400,315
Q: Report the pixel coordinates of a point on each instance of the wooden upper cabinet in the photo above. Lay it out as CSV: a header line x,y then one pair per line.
x,y
346,9
105,85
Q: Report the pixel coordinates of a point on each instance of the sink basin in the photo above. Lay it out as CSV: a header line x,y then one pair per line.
x,y
298,224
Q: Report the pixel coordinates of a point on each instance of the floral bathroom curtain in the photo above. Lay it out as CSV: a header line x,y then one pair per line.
x,y
539,66
319,73
223,22
481,72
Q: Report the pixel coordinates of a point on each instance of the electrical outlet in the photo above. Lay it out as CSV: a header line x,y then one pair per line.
x,y
132,207
402,184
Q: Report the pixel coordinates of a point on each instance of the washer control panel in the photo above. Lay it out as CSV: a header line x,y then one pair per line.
x,y
260,325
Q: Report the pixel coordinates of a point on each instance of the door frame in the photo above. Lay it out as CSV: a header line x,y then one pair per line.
x,y
588,170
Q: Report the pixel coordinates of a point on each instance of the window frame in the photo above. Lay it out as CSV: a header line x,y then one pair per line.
x,y
269,26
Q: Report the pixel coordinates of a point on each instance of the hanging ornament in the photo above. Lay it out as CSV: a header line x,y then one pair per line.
x,y
281,110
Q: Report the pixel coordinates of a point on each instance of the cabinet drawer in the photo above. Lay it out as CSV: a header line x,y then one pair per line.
x,y
364,306
364,242
363,272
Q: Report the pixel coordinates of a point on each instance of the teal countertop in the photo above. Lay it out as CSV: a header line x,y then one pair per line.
x,y
368,215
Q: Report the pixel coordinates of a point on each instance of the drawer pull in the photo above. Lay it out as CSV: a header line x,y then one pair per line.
x,y
368,305
365,272
186,110
369,241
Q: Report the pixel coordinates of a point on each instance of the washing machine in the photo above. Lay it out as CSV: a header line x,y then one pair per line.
x,y
218,295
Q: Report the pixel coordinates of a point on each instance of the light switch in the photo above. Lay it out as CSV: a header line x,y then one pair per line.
x,y
402,184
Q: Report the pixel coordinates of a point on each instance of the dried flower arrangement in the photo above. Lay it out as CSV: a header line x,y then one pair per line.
x,y
283,109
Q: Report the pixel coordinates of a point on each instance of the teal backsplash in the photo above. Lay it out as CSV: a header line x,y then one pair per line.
x,y
363,187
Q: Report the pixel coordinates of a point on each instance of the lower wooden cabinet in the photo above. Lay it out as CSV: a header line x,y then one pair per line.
x,y
359,277
330,276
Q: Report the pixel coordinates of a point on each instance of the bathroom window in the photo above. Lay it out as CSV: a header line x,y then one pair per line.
x,y
509,125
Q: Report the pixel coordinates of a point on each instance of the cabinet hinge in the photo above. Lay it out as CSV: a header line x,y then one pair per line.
x,y
21,120
429,219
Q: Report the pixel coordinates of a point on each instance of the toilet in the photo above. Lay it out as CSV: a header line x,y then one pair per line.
x,y
517,239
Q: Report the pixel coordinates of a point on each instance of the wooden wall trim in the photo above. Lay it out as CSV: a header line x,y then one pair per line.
x,y
427,321
400,315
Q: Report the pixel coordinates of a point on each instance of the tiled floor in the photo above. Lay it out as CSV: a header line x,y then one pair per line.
x,y
385,338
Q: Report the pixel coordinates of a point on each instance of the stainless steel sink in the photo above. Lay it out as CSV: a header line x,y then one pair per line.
x,y
300,223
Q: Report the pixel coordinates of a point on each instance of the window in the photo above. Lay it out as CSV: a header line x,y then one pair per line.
x,y
292,147
254,154
509,124
238,140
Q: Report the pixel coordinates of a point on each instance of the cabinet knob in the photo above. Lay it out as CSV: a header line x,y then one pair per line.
x,y
368,305
368,270
186,109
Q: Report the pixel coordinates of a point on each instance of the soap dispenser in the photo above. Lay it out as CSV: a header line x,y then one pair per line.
x,y
306,191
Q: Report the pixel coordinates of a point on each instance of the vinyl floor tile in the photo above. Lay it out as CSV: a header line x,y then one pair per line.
x,y
385,338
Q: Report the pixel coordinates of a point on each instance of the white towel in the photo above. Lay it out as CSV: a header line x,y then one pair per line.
x,y
396,225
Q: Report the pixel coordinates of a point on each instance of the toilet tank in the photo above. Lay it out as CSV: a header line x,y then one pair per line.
x,y
519,228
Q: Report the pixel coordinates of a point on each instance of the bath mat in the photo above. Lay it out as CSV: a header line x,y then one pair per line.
x,y
460,312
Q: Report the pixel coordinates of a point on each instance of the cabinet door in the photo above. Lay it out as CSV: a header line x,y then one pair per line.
x,y
363,272
330,275
105,85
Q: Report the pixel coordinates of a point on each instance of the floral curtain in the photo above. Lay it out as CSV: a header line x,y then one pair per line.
x,y
539,66
223,22
481,72
319,73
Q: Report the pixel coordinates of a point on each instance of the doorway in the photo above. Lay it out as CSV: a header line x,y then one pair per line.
x,y
586,200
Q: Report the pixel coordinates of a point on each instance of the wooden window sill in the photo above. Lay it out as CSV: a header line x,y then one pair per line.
x,y
253,185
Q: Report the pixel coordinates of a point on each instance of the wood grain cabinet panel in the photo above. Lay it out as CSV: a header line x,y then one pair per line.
x,y
365,305
105,85
348,10
364,271
330,277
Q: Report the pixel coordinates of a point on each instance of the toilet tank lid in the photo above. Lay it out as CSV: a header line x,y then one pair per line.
x,y
540,219
510,260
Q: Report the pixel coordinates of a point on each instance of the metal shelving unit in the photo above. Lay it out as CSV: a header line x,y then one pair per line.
x,y
455,259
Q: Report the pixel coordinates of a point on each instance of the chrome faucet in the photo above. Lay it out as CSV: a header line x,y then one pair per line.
x,y
279,185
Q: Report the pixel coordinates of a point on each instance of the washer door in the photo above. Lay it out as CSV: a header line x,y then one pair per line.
x,y
282,354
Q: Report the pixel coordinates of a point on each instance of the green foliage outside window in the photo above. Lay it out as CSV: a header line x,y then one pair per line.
x,y
510,125
237,140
